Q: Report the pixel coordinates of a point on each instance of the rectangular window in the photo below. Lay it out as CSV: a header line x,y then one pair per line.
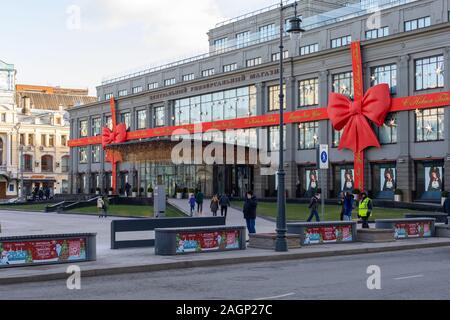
x,y
387,133
51,140
3,117
341,42
188,77
83,128
308,135
274,97
343,83
31,139
267,32
429,73
274,138
309,92
229,67
208,72
126,118
108,96
377,33
153,85
336,137
43,140
309,49
96,126
141,119
276,56
169,82
96,154
385,74
417,23
242,39
159,116
122,93
136,89
64,140
430,124
108,121
220,44
253,62
82,155
22,139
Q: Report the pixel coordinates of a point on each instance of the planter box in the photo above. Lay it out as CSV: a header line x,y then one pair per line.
x,y
110,193
176,241
408,227
375,235
397,198
149,195
440,217
443,231
268,240
324,232
179,195
134,194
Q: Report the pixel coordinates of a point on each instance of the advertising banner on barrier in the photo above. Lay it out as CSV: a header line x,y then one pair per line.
x,y
42,251
407,230
328,234
207,241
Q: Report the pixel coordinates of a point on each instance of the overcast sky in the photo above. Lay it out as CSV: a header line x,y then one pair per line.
x,y
75,43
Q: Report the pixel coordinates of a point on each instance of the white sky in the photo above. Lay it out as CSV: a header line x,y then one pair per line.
x,y
50,44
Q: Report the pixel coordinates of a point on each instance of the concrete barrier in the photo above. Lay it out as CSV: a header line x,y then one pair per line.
x,y
442,230
440,217
375,235
268,240
324,232
408,227
35,250
175,241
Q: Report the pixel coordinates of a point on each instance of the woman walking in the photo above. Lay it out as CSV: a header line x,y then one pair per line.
x,y
214,205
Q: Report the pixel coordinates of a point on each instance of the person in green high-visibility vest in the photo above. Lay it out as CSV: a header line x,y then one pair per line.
x,y
365,209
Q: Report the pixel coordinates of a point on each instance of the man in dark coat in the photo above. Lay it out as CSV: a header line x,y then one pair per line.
x,y
249,210
447,207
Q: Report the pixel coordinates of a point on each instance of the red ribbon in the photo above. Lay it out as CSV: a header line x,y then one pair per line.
x,y
352,116
117,135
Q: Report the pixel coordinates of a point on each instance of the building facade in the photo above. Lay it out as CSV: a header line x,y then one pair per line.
x,y
34,135
404,43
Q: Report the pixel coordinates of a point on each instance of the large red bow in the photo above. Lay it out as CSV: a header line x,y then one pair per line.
x,y
352,115
117,135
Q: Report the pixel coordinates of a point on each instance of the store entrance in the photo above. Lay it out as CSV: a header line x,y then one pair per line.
x,y
234,180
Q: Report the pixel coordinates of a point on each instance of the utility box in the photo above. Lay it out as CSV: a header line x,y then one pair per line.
x,y
159,201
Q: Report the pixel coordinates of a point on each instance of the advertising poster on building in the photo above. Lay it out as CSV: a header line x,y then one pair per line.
x,y
347,180
433,178
312,181
42,251
387,179
207,241
328,234
412,230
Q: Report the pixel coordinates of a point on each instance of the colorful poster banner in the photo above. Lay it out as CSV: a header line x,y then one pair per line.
x,y
42,251
412,230
433,178
387,179
207,241
328,234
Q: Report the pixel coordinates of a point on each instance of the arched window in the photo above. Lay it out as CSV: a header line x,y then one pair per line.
x,y
65,164
47,163
27,163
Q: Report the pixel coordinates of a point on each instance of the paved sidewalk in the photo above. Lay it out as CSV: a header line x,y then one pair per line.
x,y
234,217
142,260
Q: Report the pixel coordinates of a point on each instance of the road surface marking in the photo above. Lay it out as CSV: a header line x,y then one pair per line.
x,y
410,277
276,297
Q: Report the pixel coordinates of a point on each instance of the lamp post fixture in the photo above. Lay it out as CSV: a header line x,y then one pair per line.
x,y
294,28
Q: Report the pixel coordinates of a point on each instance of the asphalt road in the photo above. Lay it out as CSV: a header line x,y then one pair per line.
x,y
413,274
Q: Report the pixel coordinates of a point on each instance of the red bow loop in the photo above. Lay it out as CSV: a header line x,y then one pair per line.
x,y
117,135
358,134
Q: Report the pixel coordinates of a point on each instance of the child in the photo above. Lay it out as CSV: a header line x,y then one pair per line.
x,y
192,203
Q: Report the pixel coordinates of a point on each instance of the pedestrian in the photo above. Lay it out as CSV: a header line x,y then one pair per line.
x,y
214,205
249,211
314,206
348,206
365,209
41,194
100,205
105,207
47,193
224,202
446,207
199,200
192,203
127,189
341,202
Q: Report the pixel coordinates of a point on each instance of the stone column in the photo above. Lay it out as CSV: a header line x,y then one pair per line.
x,y
260,98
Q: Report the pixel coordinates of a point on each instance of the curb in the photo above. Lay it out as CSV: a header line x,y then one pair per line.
x,y
216,262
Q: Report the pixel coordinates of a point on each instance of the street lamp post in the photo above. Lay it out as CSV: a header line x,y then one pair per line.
x,y
294,28
16,128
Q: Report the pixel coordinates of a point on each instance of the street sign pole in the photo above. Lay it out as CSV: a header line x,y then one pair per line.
x,y
323,161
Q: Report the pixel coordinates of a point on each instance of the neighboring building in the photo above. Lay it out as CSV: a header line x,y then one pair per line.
x,y
408,47
34,131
